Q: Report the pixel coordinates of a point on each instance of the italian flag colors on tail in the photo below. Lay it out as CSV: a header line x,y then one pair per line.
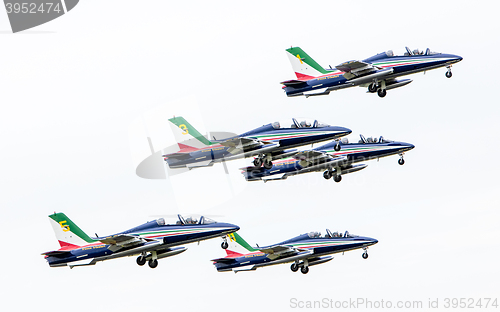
x,y
303,65
68,233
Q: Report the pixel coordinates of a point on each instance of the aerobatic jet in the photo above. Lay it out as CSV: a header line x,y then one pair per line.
x,y
333,163
266,143
304,251
378,73
151,241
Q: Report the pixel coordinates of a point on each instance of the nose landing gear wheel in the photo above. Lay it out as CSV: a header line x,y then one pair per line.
x,y
294,267
141,260
382,92
337,147
337,178
365,255
401,161
153,263
304,270
448,74
224,245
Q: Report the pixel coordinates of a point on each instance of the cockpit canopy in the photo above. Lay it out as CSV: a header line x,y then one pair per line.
x,y
364,140
417,52
314,234
188,220
299,123
160,221
329,234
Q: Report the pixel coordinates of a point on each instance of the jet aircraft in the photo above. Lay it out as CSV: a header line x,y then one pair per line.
x,y
151,241
304,251
267,143
333,163
378,72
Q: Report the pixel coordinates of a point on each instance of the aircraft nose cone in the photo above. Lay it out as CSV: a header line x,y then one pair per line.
x,y
410,146
374,241
345,131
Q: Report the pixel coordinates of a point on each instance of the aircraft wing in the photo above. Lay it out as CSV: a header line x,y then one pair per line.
x,y
123,240
248,146
279,251
358,72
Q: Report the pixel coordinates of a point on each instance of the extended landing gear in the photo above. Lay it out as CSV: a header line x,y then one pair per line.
x,y
365,254
153,263
257,162
382,93
141,260
448,73
224,244
266,161
337,178
337,147
304,267
372,88
327,174
401,161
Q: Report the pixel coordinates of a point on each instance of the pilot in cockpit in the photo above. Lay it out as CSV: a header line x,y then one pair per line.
x,y
305,124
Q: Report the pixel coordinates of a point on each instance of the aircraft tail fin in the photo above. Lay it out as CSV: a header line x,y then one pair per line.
x,y
303,65
68,233
184,131
237,245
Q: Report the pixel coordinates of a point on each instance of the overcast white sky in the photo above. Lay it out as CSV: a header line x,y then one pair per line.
x,y
73,90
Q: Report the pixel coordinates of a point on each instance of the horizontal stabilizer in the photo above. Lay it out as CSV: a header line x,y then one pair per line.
x,y
57,253
177,155
223,260
294,83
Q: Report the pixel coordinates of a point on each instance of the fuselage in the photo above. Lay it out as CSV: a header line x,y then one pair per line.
x,y
319,246
283,138
401,66
158,237
353,153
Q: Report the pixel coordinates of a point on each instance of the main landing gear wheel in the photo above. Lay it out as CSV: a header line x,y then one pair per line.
x,y
365,255
294,267
257,162
401,161
372,88
153,263
337,178
224,245
449,74
382,92
141,260
327,175
268,164
304,270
